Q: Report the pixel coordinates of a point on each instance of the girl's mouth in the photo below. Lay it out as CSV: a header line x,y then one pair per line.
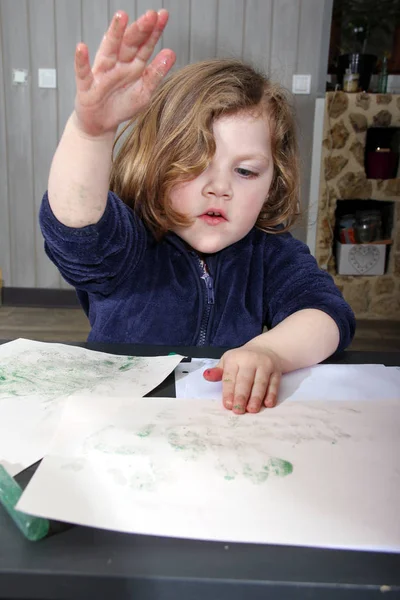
x,y
213,217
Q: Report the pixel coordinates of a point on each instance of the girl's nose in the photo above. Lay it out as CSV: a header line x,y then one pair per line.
x,y
217,184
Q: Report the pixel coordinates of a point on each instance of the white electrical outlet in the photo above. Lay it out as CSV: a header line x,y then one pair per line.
x,y
20,76
47,78
301,84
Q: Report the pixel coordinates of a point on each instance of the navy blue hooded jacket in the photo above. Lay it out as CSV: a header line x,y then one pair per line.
x,y
135,289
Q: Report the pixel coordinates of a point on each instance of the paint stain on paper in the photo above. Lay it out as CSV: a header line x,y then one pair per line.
x,y
114,442
274,467
54,374
231,455
146,481
146,431
128,365
187,441
140,477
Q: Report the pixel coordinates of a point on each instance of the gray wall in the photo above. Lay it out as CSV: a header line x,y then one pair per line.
x,y
281,36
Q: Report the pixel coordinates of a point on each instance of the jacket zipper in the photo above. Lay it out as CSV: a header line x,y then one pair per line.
x,y
210,298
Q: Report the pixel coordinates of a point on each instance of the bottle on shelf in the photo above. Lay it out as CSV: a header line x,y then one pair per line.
x,y
383,77
346,229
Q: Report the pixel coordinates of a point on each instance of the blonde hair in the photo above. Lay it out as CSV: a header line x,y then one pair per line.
x,y
172,141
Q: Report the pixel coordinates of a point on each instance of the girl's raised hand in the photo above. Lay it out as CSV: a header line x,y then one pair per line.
x,y
120,83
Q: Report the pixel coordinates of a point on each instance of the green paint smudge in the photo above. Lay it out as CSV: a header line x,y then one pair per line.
x,y
254,475
275,466
52,374
127,365
146,431
187,441
280,467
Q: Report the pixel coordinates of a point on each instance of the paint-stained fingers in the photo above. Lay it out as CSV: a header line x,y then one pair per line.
x,y
228,385
146,50
157,69
243,386
258,391
83,72
273,390
146,31
108,52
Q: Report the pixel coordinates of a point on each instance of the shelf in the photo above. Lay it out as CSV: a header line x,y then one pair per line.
x,y
375,243
387,242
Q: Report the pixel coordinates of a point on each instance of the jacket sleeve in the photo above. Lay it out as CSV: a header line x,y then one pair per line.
x,y
97,257
295,282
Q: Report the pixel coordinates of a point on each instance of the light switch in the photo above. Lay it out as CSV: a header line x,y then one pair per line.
x,y
47,78
19,76
301,84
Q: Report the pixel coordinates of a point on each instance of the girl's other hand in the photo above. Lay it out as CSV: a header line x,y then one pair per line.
x,y
120,83
250,379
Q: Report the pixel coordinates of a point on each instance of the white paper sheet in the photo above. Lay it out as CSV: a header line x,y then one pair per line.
x,y
305,473
321,382
36,377
190,383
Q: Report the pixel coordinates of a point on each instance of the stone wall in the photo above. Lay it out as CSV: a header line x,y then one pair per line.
x,y
343,177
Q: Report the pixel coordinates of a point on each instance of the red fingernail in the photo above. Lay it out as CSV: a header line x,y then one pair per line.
x,y
207,372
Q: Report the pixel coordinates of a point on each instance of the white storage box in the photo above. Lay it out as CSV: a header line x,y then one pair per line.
x,y
360,259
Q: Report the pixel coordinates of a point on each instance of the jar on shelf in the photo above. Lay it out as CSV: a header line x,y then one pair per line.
x,y
350,81
368,226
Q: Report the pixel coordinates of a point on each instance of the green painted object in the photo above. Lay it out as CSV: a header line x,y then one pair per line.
x,y
33,528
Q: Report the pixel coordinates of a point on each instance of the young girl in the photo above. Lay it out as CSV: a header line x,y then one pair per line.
x,y
183,239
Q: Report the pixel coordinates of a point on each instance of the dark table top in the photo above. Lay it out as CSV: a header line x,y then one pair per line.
x,y
84,563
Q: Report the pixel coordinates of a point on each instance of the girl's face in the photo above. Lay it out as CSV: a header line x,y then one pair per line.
x,y
226,199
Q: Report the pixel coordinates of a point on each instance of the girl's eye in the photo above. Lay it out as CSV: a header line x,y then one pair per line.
x,y
246,173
